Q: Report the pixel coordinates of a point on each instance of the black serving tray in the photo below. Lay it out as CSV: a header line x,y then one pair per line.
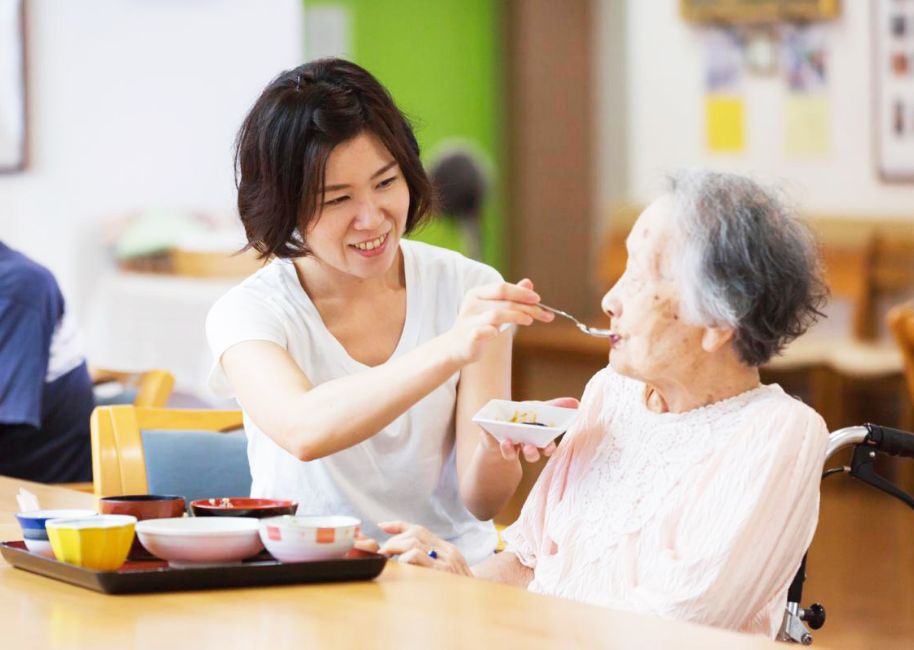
x,y
156,576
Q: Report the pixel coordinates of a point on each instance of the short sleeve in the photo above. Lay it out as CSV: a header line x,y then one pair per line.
x,y
477,274
238,316
25,343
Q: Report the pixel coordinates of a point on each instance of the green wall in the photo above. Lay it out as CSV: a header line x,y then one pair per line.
x,y
440,59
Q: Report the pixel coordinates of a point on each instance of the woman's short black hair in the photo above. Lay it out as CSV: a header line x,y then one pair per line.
x,y
282,148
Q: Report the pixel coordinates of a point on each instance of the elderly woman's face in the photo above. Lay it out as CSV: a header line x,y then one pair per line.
x,y
650,340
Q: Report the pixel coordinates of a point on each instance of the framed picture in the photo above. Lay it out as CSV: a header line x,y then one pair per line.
x,y
893,89
758,11
12,86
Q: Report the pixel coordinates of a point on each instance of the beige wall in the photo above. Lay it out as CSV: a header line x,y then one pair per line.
x,y
134,105
664,114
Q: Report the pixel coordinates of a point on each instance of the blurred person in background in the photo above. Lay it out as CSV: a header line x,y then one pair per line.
x,y
359,357
686,488
460,182
46,394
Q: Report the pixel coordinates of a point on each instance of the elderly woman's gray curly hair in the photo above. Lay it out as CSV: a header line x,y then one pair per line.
x,y
745,262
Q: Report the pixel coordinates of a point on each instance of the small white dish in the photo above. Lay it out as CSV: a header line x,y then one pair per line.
x,y
309,538
532,423
195,541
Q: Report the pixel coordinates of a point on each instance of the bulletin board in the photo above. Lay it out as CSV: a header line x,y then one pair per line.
x,y
893,89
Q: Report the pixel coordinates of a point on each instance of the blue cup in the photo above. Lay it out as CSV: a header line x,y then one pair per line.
x,y
34,533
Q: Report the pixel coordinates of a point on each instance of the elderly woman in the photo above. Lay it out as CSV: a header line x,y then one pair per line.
x,y
686,488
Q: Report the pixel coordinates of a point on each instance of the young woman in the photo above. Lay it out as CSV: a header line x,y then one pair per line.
x,y
358,357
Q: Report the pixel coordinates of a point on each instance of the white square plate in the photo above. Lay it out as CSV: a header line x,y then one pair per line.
x,y
496,418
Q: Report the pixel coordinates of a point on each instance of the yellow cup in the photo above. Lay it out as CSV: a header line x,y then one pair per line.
x,y
100,543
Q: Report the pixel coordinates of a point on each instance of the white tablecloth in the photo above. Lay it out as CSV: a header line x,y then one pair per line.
x,y
138,322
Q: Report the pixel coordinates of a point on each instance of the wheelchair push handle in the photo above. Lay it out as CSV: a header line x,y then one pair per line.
x,y
894,442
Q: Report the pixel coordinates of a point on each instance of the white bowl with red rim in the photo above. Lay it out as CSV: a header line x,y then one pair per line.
x,y
310,537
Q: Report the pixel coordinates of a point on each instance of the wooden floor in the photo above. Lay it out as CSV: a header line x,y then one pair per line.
x,y
861,568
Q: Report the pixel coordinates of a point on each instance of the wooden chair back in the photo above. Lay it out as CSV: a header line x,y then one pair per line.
x,y
901,324
118,460
153,387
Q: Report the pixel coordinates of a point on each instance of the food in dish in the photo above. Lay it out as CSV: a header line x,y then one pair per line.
x,y
527,417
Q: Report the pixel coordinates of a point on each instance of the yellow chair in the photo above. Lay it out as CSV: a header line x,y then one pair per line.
x,y
118,458
153,387
901,323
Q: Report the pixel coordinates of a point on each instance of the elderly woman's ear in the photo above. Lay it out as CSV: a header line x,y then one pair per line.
x,y
714,338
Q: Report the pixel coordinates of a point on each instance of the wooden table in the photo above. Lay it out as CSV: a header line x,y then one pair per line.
x,y
406,607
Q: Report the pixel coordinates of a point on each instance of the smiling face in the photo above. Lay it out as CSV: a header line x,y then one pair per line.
x,y
362,211
651,342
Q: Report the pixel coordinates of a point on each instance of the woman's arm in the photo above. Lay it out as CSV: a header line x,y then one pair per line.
x,y
314,421
487,478
489,472
505,568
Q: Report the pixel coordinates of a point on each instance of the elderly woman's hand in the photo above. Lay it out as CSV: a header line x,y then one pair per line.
x,y
511,450
416,545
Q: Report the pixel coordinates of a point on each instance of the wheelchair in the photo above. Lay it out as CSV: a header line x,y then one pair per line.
x,y
868,441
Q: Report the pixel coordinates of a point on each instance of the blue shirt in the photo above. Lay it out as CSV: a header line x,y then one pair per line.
x,y
45,390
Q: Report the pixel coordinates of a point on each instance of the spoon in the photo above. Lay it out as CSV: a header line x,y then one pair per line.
x,y
593,331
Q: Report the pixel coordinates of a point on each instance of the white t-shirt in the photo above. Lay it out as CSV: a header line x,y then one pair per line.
x,y
407,470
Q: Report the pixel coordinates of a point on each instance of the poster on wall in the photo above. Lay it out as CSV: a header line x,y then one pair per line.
x,y
893,86
12,87
806,123
724,106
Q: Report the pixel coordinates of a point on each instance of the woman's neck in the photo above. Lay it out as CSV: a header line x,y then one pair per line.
x,y
702,387
323,282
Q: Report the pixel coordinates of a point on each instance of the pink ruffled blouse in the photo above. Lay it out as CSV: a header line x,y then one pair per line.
x,y
700,516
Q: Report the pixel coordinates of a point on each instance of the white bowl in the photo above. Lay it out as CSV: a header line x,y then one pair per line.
x,y
507,420
309,538
200,540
